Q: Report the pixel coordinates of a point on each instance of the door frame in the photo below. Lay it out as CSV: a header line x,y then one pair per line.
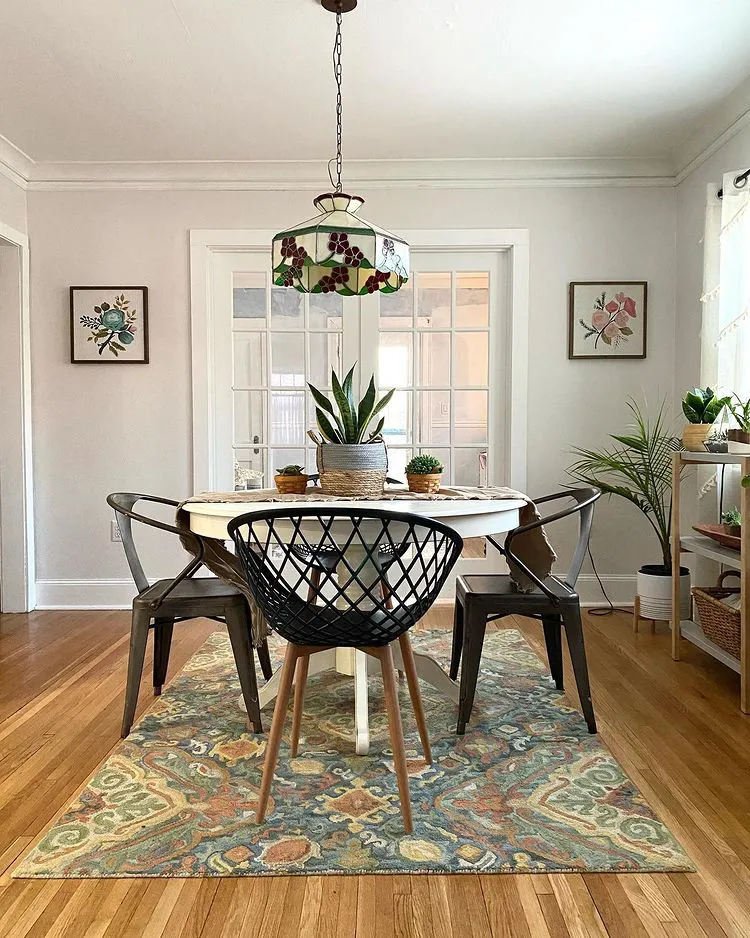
x,y
17,563
204,243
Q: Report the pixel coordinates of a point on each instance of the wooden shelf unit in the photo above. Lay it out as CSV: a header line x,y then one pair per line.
x,y
706,547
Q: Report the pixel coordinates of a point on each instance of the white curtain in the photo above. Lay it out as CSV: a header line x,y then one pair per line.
x,y
725,332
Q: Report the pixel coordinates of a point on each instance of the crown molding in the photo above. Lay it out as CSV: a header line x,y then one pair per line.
x,y
370,174
14,163
725,122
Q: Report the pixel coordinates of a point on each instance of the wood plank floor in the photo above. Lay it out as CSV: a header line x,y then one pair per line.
x,y
676,729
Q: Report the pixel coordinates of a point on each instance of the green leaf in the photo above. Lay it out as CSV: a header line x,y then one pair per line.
x,y
383,402
626,330
116,345
378,430
364,412
326,428
342,402
606,339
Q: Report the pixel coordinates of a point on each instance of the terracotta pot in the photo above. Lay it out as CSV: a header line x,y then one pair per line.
x,y
424,481
694,436
738,441
291,485
733,530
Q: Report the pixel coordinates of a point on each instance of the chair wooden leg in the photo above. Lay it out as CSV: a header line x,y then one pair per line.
x,y
396,730
553,641
264,657
242,649
277,728
303,663
138,636
636,613
163,629
314,589
574,633
475,625
410,667
458,638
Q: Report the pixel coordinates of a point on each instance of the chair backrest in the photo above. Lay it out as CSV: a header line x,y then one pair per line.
x,y
391,568
582,504
123,503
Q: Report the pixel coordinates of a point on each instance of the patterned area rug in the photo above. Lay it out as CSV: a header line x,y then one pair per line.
x,y
526,790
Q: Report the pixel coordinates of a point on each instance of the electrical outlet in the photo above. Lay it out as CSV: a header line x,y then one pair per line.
x,y
115,532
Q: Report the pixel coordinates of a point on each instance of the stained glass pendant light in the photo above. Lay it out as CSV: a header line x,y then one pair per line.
x,y
337,251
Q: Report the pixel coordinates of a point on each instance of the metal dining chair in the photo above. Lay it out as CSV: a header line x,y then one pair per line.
x,y
483,598
421,553
160,605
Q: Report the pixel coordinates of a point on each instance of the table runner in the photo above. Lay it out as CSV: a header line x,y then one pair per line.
x,y
532,547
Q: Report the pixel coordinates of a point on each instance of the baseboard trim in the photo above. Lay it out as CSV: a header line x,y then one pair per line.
x,y
107,594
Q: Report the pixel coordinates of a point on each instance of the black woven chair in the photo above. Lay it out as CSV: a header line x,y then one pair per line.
x,y
160,605
278,548
483,598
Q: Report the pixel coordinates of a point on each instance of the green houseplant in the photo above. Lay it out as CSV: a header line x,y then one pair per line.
x,y
738,438
423,473
351,454
291,480
701,408
638,468
732,521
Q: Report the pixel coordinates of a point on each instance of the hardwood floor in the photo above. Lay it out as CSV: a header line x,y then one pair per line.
x,y
675,727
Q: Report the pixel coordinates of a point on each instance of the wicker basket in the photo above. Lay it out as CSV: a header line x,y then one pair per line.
x,y
720,623
352,470
424,482
291,485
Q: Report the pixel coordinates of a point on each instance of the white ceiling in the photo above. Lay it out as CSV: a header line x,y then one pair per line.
x,y
166,80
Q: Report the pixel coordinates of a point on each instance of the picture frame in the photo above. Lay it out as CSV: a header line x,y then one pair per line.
x,y
607,319
108,325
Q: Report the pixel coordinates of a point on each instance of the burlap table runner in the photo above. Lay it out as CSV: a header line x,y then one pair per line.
x,y
532,548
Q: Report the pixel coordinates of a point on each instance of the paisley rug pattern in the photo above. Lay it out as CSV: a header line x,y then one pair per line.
x,y
527,789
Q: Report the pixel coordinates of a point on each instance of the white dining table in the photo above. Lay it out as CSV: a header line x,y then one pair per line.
x,y
469,518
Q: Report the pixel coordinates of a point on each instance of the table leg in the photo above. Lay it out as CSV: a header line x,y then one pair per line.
x,y
430,671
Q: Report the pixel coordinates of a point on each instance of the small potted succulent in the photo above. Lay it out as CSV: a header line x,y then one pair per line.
x,y
732,521
701,406
738,438
423,473
291,480
351,455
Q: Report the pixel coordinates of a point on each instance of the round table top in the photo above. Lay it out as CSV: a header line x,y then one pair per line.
x,y
471,518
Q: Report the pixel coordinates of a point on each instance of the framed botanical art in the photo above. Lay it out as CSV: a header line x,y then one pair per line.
x,y
607,319
109,324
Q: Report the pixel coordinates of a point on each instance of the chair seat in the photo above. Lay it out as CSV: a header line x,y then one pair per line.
x,y
498,591
202,591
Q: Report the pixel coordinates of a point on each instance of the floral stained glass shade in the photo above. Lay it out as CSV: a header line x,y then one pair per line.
x,y
338,252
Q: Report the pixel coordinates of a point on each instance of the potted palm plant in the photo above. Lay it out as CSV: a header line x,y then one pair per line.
x,y
351,454
738,438
638,468
701,407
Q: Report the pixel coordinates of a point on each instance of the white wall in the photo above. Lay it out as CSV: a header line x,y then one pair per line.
x,y
101,428
12,205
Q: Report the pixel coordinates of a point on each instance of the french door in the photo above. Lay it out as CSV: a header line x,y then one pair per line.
x,y
440,341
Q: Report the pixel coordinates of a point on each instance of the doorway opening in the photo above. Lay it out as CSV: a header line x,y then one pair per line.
x,y
17,573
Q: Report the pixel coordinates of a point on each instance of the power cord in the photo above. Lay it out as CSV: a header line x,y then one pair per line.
x,y
612,608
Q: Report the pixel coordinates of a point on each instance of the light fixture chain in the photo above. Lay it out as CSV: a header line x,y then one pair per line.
x,y
337,74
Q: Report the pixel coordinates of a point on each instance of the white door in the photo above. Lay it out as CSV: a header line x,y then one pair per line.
x,y
439,341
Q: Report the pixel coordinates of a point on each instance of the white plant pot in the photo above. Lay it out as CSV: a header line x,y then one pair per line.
x,y
655,593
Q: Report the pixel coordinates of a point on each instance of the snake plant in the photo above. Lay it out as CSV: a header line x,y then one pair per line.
x,y
701,405
345,421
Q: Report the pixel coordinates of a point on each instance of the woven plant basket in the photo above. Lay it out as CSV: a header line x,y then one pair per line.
x,y
352,469
291,485
424,482
720,623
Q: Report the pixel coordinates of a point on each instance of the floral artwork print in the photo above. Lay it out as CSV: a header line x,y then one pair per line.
x,y
607,319
610,322
109,325
113,328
